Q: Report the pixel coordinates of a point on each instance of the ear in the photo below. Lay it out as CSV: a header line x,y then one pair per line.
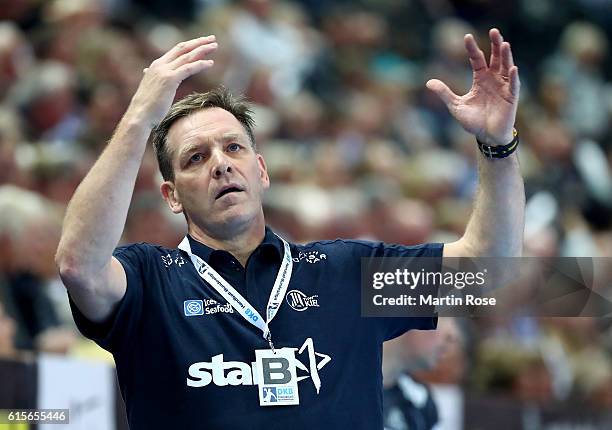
x,y
263,171
170,195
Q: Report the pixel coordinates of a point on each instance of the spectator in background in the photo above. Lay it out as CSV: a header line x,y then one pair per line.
x,y
30,232
7,334
16,55
578,66
11,142
46,98
408,403
271,39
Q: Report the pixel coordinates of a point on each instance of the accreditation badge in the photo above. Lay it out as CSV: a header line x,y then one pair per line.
x,y
276,377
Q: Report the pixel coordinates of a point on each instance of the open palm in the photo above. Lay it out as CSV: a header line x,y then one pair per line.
x,y
488,110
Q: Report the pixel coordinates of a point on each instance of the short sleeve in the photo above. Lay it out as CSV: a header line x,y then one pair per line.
x,y
394,326
114,333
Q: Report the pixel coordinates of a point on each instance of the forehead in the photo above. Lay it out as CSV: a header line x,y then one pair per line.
x,y
203,125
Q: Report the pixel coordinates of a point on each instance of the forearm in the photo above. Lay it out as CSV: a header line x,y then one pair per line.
x,y
497,222
488,111
96,215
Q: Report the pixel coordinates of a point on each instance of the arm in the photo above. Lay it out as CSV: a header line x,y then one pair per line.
x,y
488,111
96,214
495,228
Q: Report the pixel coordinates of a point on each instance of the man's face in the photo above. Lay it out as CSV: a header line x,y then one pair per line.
x,y
218,178
423,349
429,347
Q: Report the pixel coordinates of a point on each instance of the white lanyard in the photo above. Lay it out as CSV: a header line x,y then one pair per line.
x,y
233,297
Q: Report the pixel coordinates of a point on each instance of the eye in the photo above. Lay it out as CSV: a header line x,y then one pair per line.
x,y
196,158
233,147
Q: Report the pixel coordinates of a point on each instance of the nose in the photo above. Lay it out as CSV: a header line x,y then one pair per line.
x,y
221,165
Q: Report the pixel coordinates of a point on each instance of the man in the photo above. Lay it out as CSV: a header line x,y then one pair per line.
x,y
7,334
408,403
195,344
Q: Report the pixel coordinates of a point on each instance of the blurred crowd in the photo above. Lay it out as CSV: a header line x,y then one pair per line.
x,y
355,144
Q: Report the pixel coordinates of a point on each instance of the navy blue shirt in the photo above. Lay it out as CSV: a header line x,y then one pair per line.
x,y
170,319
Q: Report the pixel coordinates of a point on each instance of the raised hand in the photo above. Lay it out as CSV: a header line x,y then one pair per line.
x,y
488,110
162,78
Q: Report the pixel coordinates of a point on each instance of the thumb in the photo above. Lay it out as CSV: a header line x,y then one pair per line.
x,y
442,90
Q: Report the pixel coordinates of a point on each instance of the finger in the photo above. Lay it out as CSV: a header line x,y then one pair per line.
x,y
507,60
477,58
190,69
442,90
196,54
496,41
183,47
515,83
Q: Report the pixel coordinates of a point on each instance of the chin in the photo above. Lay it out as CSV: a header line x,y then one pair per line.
x,y
234,221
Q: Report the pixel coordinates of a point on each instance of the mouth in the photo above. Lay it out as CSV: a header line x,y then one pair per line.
x,y
227,190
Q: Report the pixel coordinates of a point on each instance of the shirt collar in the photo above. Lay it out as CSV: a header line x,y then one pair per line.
x,y
270,242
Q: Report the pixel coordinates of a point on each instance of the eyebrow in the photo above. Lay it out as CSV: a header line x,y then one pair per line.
x,y
185,150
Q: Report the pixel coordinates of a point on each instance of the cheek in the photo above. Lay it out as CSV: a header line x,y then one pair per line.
x,y
192,186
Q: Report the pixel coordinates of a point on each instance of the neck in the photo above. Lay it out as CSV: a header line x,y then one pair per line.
x,y
240,242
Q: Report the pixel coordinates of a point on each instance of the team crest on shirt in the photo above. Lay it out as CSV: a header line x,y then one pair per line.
x,y
298,301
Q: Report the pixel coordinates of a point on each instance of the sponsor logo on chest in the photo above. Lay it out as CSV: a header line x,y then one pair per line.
x,y
275,370
194,307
